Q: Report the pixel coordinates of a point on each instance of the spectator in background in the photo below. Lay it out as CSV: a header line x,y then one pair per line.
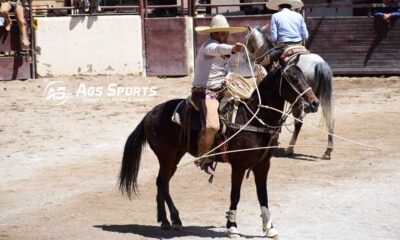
x,y
208,9
88,4
387,12
164,12
8,6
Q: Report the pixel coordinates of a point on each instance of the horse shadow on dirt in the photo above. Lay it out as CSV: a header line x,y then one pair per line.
x,y
281,153
157,232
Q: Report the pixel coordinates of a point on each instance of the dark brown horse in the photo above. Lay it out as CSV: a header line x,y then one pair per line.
x,y
163,137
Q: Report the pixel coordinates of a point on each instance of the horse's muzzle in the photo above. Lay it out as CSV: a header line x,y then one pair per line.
x,y
311,107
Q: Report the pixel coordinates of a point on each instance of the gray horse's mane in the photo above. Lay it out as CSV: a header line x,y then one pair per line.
x,y
266,37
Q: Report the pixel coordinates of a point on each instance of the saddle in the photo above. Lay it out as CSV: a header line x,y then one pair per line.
x,y
291,54
285,55
187,114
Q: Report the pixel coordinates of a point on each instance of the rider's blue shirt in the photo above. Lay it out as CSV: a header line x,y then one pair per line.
x,y
288,26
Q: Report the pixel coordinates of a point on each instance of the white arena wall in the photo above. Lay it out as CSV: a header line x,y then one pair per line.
x,y
189,45
89,45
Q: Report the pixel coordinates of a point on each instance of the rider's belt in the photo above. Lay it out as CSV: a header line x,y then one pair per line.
x,y
291,43
287,44
199,89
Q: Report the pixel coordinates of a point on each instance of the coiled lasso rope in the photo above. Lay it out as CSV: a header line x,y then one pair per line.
x,y
241,88
237,86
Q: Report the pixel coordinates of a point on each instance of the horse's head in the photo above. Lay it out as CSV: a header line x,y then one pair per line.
x,y
291,85
298,89
258,42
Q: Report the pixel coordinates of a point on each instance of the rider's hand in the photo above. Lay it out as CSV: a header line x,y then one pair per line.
x,y
237,47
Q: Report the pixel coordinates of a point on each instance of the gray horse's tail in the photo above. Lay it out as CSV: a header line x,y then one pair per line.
x,y
324,76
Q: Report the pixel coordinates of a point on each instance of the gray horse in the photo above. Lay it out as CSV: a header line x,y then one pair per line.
x,y
318,75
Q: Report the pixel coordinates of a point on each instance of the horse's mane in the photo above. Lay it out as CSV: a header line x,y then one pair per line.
x,y
266,36
267,82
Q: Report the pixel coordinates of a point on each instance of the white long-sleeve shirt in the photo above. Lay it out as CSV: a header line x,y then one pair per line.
x,y
211,63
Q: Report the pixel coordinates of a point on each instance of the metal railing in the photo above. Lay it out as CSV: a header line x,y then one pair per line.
x,y
142,9
369,7
217,6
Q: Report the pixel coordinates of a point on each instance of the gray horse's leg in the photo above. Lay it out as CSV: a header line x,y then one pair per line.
x,y
329,149
297,126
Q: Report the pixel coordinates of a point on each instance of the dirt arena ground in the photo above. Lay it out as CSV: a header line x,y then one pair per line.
x,y
59,166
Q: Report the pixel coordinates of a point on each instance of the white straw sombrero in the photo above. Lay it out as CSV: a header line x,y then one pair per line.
x,y
274,4
219,24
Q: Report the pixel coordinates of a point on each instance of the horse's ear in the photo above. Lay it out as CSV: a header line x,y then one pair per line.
x,y
249,28
265,27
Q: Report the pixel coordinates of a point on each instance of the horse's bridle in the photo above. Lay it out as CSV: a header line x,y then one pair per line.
x,y
299,97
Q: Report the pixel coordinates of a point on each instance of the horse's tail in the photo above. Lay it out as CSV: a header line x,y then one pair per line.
x,y
131,160
324,76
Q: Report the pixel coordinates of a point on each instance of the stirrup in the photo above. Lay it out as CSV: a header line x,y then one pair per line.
x,y
206,164
208,168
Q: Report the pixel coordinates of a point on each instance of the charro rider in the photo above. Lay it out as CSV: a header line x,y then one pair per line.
x,y
210,72
287,26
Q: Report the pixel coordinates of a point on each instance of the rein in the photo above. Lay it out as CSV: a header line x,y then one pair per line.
x,y
299,96
263,58
274,131
289,109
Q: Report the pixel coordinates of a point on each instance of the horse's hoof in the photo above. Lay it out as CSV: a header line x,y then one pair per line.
x,y
280,152
326,157
176,227
233,232
289,152
165,226
271,233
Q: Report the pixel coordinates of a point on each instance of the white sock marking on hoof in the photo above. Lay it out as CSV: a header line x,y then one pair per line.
x,y
233,232
267,227
272,232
